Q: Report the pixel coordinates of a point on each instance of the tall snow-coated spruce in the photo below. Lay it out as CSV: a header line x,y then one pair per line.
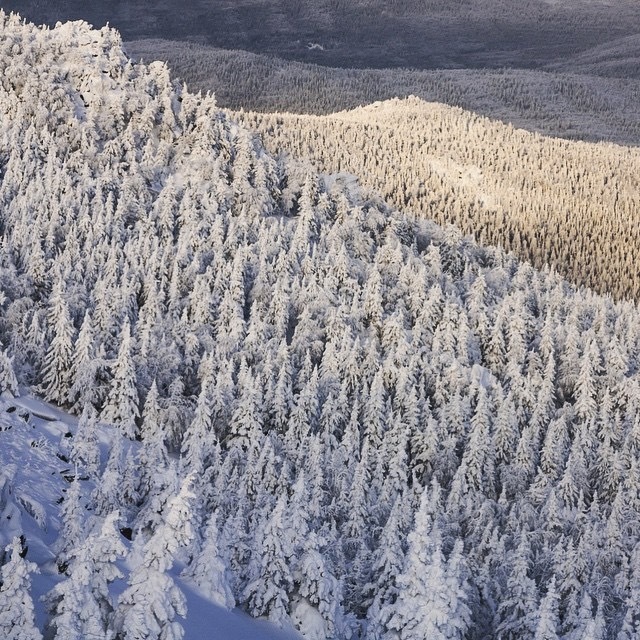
x,y
8,380
148,607
517,611
73,524
81,605
122,404
84,368
16,606
432,593
267,594
84,447
152,455
317,607
199,438
56,372
107,495
388,561
208,569
547,627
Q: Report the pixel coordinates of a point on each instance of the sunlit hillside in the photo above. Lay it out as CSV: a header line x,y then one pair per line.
x,y
570,205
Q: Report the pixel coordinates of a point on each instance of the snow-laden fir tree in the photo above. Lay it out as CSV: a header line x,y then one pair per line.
x,y
122,404
547,626
148,607
517,612
56,372
16,606
72,530
317,606
432,597
85,368
8,380
152,455
107,494
208,568
271,581
84,447
388,561
81,606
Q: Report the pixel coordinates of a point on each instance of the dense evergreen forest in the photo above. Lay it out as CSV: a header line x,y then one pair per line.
x,y
332,414
552,202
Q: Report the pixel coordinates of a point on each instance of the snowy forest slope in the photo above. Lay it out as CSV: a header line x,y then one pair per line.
x,y
552,202
37,484
347,420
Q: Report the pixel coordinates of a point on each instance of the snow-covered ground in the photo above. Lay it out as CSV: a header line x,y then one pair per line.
x,y
34,443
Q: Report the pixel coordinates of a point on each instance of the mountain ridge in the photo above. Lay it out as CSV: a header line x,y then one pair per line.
x,y
335,415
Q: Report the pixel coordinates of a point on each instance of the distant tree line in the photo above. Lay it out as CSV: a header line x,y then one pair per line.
x,y
557,104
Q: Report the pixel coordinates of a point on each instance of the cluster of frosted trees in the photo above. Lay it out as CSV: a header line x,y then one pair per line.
x,y
570,205
349,421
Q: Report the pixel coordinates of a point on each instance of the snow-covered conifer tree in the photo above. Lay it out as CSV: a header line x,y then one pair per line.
x,y
388,563
517,613
16,606
547,627
152,454
149,605
208,569
73,524
586,400
84,447
122,404
107,495
317,606
631,623
431,600
8,380
81,605
478,455
271,583
56,372
199,438
85,368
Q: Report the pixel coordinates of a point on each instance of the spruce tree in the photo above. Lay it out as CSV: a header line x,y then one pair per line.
x,y
81,605
8,380
547,627
432,596
122,404
149,605
56,372
271,582
16,606
84,447
208,569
